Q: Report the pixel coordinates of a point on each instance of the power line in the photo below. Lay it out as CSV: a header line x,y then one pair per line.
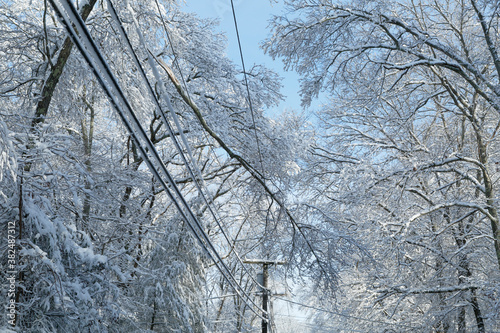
x,y
119,101
166,122
342,314
248,89
104,75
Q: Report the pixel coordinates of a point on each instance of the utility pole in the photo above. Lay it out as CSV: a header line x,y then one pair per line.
x,y
265,291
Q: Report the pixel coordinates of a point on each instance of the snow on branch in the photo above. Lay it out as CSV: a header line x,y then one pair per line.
x,y
416,291
435,208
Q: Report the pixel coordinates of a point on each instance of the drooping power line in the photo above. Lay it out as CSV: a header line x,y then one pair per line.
x,y
69,17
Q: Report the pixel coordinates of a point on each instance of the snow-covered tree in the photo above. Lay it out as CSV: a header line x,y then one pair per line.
x,y
408,160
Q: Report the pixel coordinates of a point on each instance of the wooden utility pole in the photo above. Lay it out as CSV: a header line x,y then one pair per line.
x,y
265,291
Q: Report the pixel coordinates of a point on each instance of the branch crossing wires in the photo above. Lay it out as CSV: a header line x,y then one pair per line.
x,y
345,315
176,59
176,63
248,89
167,124
84,42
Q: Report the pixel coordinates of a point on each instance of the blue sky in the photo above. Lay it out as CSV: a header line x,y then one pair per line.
x,y
253,18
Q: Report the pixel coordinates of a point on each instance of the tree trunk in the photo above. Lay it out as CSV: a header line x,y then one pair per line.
x,y
87,138
463,274
50,84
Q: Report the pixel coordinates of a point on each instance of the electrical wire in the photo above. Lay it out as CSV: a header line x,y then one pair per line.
x,y
95,60
118,100
248,89
341,314
167,124
180,130
175,60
